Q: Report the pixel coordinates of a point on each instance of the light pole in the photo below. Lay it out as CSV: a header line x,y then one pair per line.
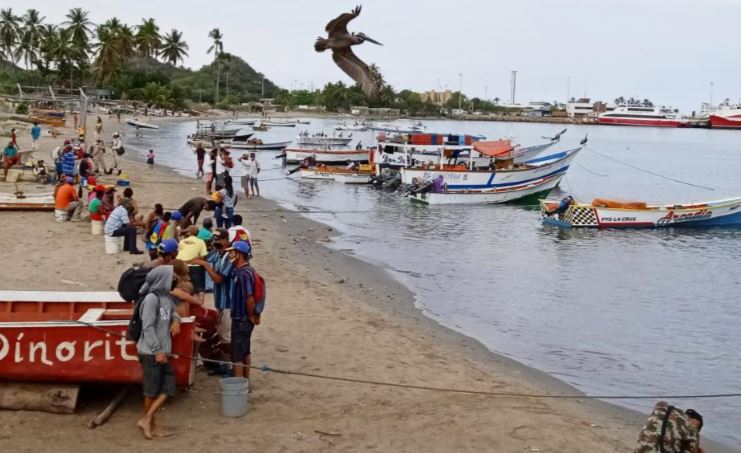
x,y
460,89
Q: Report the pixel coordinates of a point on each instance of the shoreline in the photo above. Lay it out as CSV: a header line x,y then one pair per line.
x,y
298,246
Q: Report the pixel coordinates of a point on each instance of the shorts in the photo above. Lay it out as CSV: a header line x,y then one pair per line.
x,y
157,378
225,326
8,161
220,179
241,338
245,181
150,161
253,181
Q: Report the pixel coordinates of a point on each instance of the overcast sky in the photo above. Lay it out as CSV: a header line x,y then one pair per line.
x,y
666,50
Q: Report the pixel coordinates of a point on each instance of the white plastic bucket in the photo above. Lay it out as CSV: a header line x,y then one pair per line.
x,y
96,227
113,244
60,215
233,393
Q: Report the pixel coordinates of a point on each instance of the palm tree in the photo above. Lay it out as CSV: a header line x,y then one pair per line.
x,y
78,25
9,33
28,49
148,39
173,47
115,45
218,46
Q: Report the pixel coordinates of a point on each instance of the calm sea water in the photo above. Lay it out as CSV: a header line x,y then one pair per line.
x,y
611,312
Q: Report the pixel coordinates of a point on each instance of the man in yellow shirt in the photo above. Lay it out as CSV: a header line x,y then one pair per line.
x,y
191,247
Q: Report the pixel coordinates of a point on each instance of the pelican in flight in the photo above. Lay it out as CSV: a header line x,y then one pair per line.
x,y
556,137
340,42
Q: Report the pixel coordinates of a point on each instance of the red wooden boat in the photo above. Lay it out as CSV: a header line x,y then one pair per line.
x,y
76,337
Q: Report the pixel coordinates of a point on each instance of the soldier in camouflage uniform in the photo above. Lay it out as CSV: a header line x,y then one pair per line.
x,y
680,435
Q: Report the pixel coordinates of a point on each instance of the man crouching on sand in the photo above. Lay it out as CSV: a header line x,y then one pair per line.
x,y
159,321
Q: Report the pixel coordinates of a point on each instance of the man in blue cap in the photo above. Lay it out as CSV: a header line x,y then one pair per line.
x,y
244,317
167,252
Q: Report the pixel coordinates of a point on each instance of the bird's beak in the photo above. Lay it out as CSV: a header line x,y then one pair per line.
x,y
368,38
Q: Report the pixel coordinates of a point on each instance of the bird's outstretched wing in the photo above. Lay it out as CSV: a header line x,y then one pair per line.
x,y
339,24
357,70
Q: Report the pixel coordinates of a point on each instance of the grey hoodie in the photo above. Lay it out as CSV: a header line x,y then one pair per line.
x,y
157,312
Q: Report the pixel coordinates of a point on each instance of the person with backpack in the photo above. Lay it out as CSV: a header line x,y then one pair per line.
x,y
247,305
670,430
159,322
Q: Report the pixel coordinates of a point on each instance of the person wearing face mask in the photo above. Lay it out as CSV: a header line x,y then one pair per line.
x,y
221,270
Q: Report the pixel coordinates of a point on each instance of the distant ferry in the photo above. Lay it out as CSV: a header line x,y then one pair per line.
x,y
636,115
727,116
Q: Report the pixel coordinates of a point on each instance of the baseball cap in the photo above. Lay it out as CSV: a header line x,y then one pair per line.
x,y
168,246
99,188
176,215
242,247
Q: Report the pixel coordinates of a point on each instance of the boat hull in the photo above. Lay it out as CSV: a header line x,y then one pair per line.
x,y
277,146
716,213
294,155
141,125
721,122
323,141
641,122
534,169
31,202
539,187
338,176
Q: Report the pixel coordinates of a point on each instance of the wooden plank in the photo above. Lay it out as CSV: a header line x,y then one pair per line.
x,y
108,411
55,398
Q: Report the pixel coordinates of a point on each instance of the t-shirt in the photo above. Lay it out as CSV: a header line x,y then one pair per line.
x,y
10,151
200,153
220,167
65,195
190,248
242,289
224,267
94,208
250,167
35,132
118,218
229,202
94,205
169,232
239,233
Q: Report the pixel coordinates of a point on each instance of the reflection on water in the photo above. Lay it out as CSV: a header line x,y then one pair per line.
x,y
612,312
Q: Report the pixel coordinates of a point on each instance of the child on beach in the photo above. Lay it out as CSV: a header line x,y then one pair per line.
x,y
150,160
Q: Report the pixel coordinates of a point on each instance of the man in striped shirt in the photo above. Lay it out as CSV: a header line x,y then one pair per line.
x,y
119,224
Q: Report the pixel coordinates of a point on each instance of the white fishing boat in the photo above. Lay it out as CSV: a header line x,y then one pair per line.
x,y
354,127
322,140
534,188
326,156
337,174
461,177
279,123
604,213
135,122
255,144
27,201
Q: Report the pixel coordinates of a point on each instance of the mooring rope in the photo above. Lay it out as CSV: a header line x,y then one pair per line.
x,y
269,369
649,171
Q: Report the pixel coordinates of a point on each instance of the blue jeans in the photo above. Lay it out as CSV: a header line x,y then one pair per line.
x,y
222,222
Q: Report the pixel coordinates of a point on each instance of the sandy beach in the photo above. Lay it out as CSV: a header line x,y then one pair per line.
x,y
327,313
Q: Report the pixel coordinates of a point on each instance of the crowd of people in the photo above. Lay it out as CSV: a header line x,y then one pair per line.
x,y
220,170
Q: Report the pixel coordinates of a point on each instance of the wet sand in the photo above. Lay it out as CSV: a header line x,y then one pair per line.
x,y
327,313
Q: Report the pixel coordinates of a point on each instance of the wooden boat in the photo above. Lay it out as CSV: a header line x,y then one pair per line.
x,y
539,187
279,123
75,337
326,156
135,122
339,174
254,145
322,141
55,118
29,202
460,177
602,213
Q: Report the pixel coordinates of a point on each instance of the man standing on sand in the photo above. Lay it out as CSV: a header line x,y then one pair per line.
x,y
35,135
251,169
200,157
98,151
159,322
244,315
117,148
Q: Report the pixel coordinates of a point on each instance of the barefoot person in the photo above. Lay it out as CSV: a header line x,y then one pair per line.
x,y
159,322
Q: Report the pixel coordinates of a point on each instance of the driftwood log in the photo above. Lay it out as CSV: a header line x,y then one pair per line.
x,y
55,398
109,410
